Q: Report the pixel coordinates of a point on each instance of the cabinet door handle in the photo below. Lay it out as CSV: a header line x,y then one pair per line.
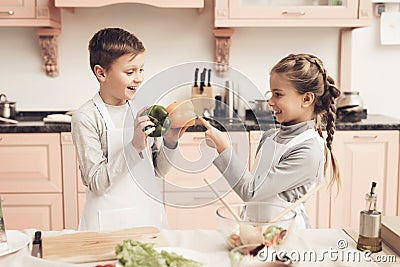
x,y
297,13
365,136
9,12
1,139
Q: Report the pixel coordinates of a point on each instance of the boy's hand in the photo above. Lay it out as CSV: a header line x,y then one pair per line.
x,y
214,137
139,140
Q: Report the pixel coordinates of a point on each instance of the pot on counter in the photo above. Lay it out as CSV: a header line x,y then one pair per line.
x,y
350,107
350,100
7,108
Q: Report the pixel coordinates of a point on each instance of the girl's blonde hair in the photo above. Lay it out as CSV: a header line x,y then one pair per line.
x,y
308,74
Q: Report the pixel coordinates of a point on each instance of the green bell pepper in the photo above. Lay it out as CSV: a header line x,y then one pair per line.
x,y
160,117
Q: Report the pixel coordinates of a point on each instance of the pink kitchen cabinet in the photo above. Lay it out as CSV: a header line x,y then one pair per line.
x,y
202,216
31,180
17,9
30,162
363,157
29,13
293,13
27,210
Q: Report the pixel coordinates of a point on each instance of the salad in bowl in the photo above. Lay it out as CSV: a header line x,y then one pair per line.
x,y
254,226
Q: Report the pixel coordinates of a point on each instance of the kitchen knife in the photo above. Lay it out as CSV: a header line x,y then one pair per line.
x,y
202,80
37,245
196,74
209,78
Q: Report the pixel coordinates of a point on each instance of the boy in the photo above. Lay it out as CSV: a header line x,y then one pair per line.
x,y
118,163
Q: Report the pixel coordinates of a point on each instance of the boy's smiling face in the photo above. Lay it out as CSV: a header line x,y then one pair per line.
x,y
120,82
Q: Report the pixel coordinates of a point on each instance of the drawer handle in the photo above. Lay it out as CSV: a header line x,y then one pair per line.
x,y
365,137
10,12
297,13
198,138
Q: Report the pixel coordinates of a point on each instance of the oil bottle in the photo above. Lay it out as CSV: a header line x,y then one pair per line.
x,y
370,224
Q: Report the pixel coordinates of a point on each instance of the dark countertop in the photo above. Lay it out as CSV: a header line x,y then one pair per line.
x,y
34,124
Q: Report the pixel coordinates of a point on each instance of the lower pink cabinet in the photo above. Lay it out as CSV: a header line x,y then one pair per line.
x,y
31,180
33,210
363,157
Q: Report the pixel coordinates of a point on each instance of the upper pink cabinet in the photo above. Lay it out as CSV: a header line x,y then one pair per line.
x,y
17,9
157,3
26,13
292,13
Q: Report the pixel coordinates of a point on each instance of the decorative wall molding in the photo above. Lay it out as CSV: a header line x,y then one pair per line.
x,y
48,47
222,47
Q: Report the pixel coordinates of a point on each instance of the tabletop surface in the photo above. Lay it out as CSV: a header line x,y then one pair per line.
x,y
310,247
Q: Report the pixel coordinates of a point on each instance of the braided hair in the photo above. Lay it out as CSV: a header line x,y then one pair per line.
x,y
307,74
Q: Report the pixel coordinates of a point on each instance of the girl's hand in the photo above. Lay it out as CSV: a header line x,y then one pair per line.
x,y
139,140
219,140
172,136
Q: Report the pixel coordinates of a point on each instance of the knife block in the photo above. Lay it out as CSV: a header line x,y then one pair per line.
x,y
202,101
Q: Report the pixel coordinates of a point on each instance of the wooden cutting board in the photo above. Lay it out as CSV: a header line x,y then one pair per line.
x,y
390,232
80,247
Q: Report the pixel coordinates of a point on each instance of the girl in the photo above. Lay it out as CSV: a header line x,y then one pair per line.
x,y
292,159
118,163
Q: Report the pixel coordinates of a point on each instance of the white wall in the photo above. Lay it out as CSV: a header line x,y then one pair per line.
x,y
174,36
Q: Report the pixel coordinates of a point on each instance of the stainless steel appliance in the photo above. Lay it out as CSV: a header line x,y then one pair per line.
x,y
350,107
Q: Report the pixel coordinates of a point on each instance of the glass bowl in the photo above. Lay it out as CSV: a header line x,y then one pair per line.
x,y
254,226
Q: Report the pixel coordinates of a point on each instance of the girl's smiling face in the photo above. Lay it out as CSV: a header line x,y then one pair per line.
x,y
289,106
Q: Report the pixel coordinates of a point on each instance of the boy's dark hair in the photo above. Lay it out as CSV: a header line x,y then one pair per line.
x,y
109,44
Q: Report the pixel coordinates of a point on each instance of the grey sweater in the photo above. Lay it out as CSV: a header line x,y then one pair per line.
x,y
89,136
291,178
